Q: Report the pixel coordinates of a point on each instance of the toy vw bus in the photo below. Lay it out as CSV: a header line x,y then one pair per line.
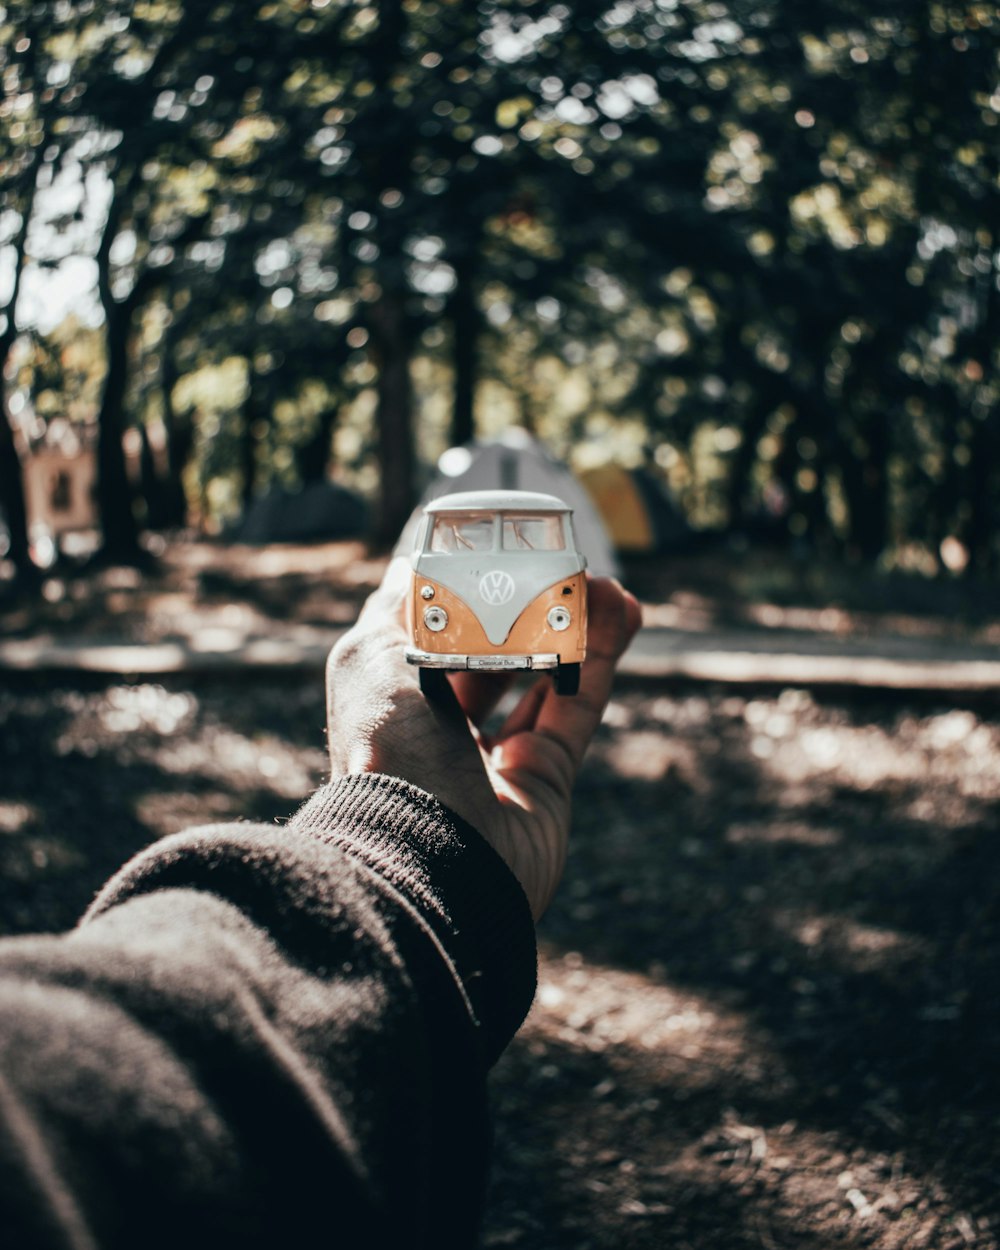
x,y
498,584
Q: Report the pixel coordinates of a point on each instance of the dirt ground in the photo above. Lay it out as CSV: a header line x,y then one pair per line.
x,y
768,1009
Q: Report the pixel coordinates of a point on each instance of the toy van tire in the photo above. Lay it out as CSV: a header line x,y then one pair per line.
x,y
434,684
567,678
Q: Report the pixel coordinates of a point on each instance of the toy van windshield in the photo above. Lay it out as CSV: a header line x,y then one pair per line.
x,y
498,584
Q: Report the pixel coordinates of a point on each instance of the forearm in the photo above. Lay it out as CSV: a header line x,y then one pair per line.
x,y
265,1028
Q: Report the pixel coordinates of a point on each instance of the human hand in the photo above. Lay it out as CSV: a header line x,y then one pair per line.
x,y
513,786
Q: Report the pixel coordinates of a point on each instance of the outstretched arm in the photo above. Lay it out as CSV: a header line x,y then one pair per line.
x,y
258,1032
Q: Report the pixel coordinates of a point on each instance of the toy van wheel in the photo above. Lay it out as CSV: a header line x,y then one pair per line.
x,y
436,688
433,682
567,678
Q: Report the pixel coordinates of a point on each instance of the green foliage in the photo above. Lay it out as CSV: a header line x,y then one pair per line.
x,y
753,244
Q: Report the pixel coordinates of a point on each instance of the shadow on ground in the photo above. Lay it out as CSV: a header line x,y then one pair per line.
x,y
768,1010
767,1013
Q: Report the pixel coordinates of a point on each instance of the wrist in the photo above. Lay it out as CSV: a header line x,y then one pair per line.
x,y
456,885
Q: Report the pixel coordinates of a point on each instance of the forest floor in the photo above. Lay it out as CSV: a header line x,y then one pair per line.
x,y
768,1012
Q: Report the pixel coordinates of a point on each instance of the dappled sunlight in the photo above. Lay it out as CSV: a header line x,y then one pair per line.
x,y
749,248
262,761
349,560
640,748
166,811
782,830
597,1007
202,598
129,708
949,750
790,930
221,638
169,730
790,737
34,857
29,851
760,980
16,816
649,1105
851,944
649,756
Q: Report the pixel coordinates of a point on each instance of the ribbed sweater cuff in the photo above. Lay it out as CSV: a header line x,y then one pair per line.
x,y
468,896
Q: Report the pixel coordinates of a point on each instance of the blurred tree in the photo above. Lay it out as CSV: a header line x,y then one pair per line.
x,y
753,242
143,78
27,156
804,320
17,197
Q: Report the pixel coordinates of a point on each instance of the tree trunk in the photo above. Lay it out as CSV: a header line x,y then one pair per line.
x,y
313,457
981,528
870,504
248,454
180,439
739,514
114,492
388,165
12,499
980,533
393,416
152,483
465,319
257,411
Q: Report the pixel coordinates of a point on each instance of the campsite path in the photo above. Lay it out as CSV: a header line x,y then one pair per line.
x,y
767,986
217,610
729,656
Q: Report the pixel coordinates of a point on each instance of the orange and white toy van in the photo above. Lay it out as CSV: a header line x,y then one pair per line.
x,y
498,584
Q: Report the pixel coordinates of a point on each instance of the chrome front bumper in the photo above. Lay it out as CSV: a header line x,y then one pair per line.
x,y
481,663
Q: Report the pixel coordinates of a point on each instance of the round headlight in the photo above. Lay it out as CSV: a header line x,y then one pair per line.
x,y
435,618
559,618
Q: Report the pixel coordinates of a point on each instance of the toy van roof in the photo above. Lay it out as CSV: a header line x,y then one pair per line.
x,y
497,501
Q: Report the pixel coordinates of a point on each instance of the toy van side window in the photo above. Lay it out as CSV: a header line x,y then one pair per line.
x,y
457,534
533,533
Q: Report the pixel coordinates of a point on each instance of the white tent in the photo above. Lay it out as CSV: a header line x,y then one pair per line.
x,y
516,461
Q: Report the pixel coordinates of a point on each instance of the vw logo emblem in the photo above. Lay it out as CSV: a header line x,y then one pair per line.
x,y
496,588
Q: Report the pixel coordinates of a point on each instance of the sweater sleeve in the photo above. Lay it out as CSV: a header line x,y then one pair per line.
x,y
260,1034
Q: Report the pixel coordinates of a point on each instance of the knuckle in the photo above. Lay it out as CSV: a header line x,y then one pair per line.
x,y
347,654
343,652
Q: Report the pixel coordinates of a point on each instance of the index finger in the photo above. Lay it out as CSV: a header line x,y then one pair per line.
x,y
614,617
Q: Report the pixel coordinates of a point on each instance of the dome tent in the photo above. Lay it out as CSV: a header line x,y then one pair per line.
x,y
318,512
517,461
637,510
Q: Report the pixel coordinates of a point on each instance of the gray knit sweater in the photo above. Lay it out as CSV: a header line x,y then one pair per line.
x,y
267,1036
